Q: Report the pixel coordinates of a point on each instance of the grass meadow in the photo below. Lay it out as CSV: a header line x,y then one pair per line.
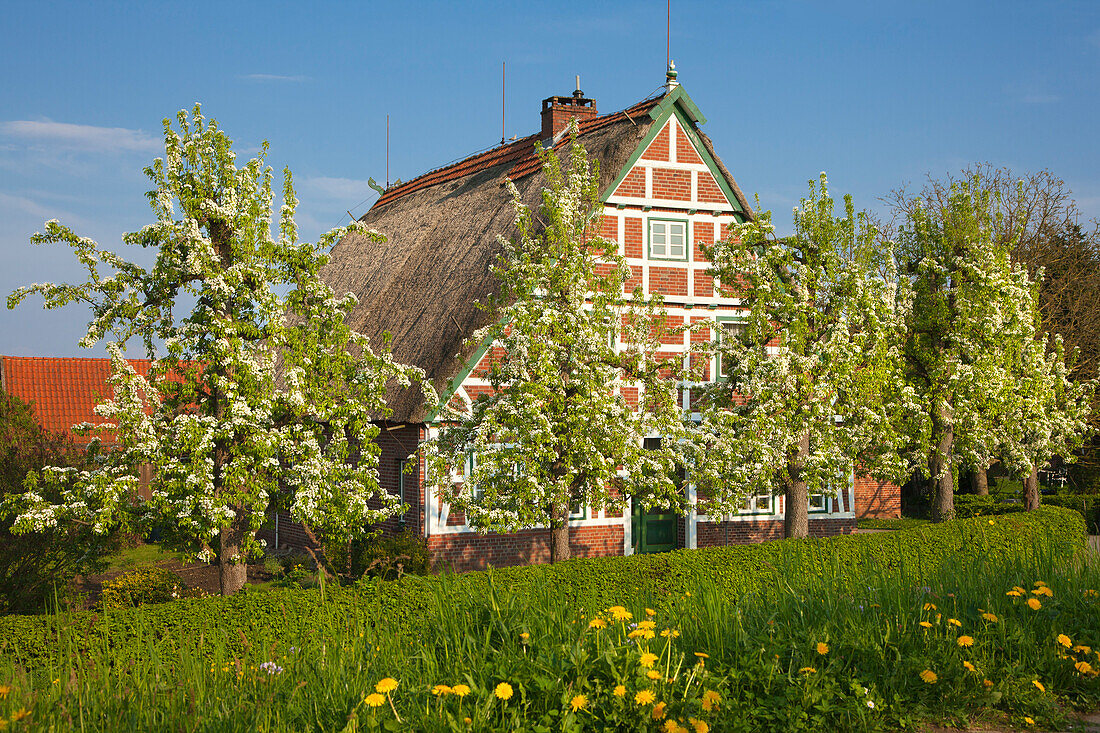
x,y
836,647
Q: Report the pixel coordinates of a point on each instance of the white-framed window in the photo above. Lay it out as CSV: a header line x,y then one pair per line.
x,y
762,503
667,239
726,329
819,504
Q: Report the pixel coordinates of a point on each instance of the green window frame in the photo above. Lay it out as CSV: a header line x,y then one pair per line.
x,y
664,236
822,502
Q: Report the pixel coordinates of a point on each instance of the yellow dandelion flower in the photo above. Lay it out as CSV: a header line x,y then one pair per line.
x,y
991,617
1029,720
699,726
667,633
648,659
807,670
442,690
620,614
650,612
1014,593
658,712
1033,604
711,700
1039,685
461,690
822,648
701,655
467,720
926,624
644,697
1090,593
619,691
1018,589
1083,667
597,623
965,640
1064,641
525,636
503,691
374,700
991,521
1039,583
929,606
647,624
955,622
386,684
969,667
578,702
987,683
671,726
4,690
1043,591
653,674
641,634
1082,649
929,677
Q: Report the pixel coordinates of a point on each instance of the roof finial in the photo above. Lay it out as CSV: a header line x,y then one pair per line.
x,y
670,76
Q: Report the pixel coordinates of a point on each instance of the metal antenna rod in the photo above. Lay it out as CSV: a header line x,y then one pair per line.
x,y
387,151
668,34
501,102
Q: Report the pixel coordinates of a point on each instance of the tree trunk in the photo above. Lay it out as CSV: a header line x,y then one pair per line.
x,y
939,465
232,570
559,531
981,481
796,520
1031,489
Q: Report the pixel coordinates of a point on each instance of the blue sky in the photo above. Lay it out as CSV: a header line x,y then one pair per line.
x,y
876,93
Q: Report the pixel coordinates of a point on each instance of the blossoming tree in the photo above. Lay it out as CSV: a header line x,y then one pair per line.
x,y
261,385
988,386
800,399
557,429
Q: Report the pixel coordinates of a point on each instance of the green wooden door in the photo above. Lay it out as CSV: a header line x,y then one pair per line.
x,y
653,531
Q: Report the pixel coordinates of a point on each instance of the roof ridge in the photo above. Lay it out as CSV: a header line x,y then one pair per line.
x,y
517,151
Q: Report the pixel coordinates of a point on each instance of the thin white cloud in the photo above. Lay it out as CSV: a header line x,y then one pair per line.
x,y
294,78
84,138
334,189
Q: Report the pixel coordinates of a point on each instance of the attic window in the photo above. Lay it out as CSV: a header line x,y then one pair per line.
x,y
667,239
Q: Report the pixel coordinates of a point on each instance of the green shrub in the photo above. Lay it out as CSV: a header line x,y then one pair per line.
x,y
144,585
972,505
1088,505
390,557
402,607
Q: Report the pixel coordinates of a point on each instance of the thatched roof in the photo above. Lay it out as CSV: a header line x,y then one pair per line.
x,y
422,285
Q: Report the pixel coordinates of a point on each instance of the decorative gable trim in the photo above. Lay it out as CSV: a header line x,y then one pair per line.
x,y
678,104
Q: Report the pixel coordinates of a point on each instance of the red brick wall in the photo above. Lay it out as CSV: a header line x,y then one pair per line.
x,y
471,551
702,231
704,284
668,281
632,233
685,151
633,184
658,149
714,534
708,190
671,184
877,499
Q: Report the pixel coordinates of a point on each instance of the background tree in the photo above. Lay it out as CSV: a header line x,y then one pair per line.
x,y
33,568
801,403
989,388
1036,218
557,429
257,391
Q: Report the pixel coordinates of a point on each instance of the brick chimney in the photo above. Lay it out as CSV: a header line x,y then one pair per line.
x,y
557,111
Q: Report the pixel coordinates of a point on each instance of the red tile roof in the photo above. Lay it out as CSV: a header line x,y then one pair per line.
x,y
64,390
521,154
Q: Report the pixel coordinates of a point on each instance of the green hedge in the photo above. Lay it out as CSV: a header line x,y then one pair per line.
x,y
972,505
1088,505
281,616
